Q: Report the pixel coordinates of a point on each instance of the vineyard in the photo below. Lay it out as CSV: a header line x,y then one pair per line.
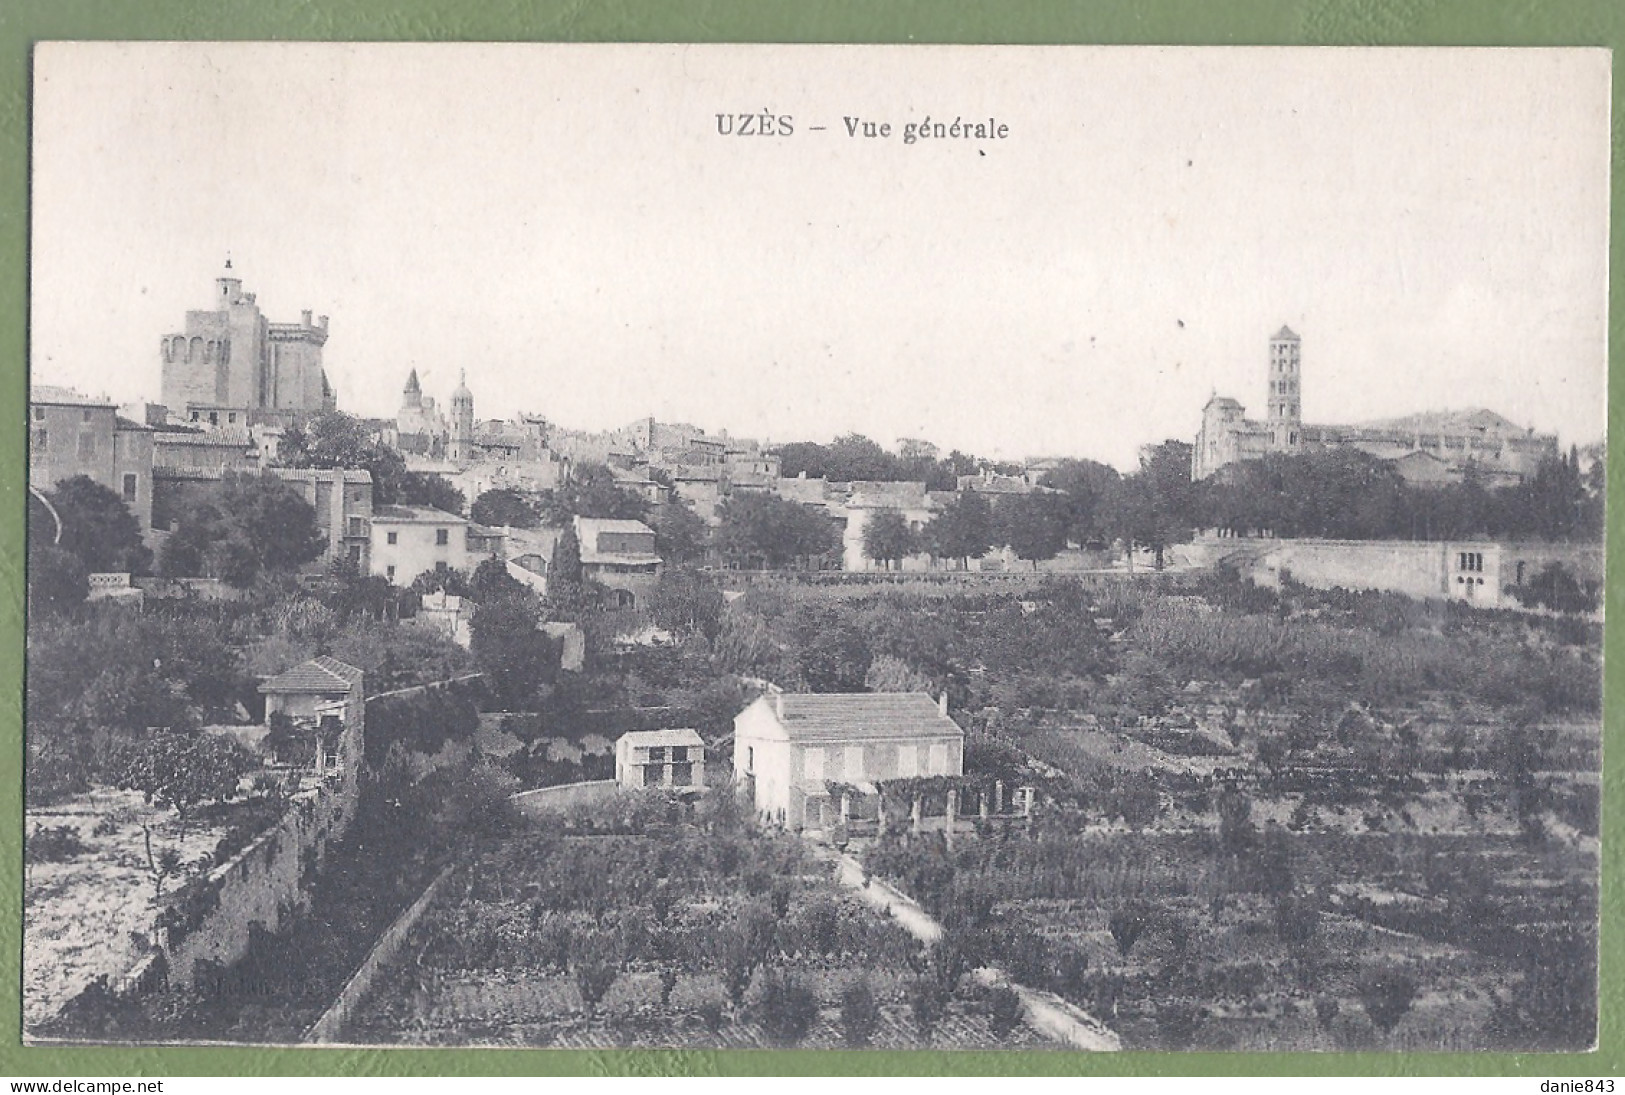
x,y
684,934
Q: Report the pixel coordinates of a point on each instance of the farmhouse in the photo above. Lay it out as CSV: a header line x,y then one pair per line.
x,y
789,748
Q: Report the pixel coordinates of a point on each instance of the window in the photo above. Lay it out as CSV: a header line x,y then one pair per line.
x,y
750,758
389,573
214,418
442,537
39,440
86,415
355,553
853,762
194,416
939,760
657,754
87,446
908,761
232,417
129,487
358,526
679,753
394,537
812,764
651,774
39,414
682,775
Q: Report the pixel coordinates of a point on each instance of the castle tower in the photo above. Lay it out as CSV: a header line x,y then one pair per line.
x,y
1285,419
462,421
411,396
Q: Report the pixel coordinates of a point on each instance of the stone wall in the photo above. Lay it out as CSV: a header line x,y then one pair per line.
x,y
209,922
548,800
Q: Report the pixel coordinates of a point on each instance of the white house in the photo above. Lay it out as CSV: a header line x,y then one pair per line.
x,y
405,541
789,748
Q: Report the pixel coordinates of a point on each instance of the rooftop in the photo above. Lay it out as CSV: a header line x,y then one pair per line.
x,y
427,515
322,674
642,739
50,393
596,525
840,716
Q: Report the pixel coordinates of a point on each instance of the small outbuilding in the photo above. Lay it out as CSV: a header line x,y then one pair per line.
x,y
672,760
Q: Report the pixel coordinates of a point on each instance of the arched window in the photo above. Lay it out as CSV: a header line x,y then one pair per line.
x,y
194,351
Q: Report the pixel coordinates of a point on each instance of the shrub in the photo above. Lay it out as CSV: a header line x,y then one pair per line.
x,y
1127,924
928,1003
1004,1011
860,1014
786,1009
595,963
1387,996
54,844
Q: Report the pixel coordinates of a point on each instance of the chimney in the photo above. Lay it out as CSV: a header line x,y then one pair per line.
x,y
778,703
942,703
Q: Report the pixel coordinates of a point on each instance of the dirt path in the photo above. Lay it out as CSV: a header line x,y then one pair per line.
x,y
1044,1012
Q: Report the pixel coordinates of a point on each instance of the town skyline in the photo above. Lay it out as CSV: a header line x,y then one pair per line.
x,y
1081,291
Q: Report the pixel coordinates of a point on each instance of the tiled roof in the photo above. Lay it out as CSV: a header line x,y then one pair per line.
x,y
321,674
861,715
593,525
51,393
640,739
237,439
423,514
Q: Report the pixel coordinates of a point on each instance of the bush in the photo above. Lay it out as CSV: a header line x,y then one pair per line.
x,y
928,1003
1387,996
860,1014
1127,924
786,1009
54,844
1004,1011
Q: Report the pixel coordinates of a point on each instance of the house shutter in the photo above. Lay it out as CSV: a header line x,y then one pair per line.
x,y
812,764
908,761
853,771
939,760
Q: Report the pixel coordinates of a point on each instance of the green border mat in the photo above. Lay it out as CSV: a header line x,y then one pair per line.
x,y
1142,22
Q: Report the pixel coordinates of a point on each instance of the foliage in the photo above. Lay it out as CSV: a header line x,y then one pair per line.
x,y
1556,587
686,603
243,526
57,581
768,531
1034,526
334,439
98,528
860,1014
504,507
963,529
1387,995
182,771
590,491
428,489
1156,505
888,539
595,963
53,844
1127,924
681,535
1004,1011
1088,487
515,656
786,1007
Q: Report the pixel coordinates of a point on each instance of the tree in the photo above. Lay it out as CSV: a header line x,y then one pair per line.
x,y
242,527
834,659
680,533
888,539
491,581
56,581
515,656
442,577
181,771
1156,506
964,530
765,530
590,491
435,491
860,1013
334,439
1088,486
504,506
1033,525
686,604
98,528
1387,996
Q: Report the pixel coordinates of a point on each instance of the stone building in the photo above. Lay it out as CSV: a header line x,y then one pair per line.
x,y
72,434
232,366
1431,447
673,760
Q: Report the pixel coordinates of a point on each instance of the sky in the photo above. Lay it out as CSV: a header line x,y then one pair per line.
x,y
566,225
